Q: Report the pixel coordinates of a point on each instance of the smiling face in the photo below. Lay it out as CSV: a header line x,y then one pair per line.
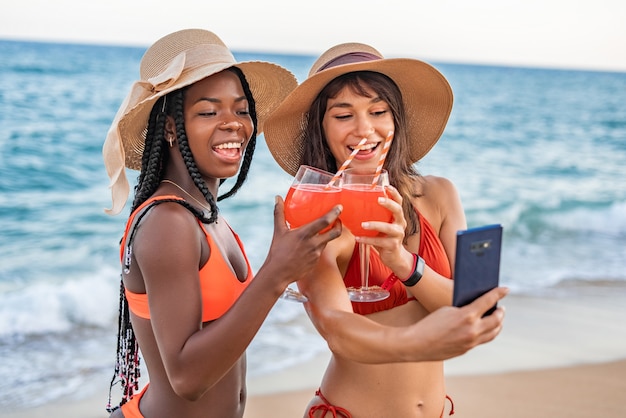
x,y
352,115
218,124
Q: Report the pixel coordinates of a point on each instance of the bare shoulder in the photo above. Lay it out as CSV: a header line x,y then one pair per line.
x,y
440,191
167,218
439,200
168,228
436,184
443,206
174,211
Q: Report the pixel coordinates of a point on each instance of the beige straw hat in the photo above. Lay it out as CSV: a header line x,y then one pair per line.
x,y
174,61
427,98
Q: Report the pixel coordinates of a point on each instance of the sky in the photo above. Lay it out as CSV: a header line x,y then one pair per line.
x,y
571,34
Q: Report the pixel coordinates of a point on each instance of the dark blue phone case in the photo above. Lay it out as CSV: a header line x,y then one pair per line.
x,y
477,263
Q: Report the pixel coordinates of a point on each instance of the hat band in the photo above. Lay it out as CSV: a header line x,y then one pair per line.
x,y
349,58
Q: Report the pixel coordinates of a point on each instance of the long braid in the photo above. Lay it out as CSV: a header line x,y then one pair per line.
x,y
154,155
127,357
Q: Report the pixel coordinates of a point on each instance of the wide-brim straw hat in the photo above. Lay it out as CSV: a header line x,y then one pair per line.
x,y
175,61
426,94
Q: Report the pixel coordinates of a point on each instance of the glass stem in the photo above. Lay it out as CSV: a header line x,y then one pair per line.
x,y
364,253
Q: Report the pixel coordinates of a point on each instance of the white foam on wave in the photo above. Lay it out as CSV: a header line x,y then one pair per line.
x,y
56,306
610,220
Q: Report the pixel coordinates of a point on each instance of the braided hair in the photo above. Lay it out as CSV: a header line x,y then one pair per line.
x,y
153,162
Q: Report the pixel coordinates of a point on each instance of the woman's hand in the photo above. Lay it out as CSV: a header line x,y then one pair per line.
x,y
294,252
449,332
390,241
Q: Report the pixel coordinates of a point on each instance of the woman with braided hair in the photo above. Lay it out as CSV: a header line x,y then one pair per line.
x,y
188,299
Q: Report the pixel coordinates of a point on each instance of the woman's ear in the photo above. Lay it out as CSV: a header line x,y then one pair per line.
x,y
170,127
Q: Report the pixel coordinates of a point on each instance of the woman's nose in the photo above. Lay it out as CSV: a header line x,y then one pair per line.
x,y
233,125
364,128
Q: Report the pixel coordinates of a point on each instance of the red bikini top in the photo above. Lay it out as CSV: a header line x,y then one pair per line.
x,y
431,250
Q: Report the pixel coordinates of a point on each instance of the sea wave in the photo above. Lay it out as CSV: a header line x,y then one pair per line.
x,y
59,306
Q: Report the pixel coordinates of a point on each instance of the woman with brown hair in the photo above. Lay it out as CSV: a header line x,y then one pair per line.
x,y
386,355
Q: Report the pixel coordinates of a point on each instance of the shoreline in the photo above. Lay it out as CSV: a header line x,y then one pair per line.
x,y
559,354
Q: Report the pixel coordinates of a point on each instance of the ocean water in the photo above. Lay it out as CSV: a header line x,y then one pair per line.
x,y
543,152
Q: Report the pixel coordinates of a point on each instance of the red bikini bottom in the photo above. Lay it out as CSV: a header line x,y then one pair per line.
x,y
339,412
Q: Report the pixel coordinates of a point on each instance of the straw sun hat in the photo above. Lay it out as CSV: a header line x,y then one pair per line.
x,y
175,61
426,95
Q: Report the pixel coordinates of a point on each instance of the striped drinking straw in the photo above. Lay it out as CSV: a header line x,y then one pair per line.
x,y
347,162
381,161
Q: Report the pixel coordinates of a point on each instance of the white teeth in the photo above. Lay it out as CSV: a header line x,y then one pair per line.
x,y
229,145
366,146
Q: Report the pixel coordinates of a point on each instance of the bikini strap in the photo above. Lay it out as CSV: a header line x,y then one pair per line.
x,y
337,411
451,405
128,250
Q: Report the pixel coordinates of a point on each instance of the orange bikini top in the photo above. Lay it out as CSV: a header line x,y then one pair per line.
x,y
219,286
430,249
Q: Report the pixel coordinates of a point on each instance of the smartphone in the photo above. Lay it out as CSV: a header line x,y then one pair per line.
x,y
477,263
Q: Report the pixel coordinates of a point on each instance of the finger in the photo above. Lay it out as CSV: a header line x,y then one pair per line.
x,y
393,193
492,325
279,214
395,207
332,233
393,230
390,204
485,302
323,222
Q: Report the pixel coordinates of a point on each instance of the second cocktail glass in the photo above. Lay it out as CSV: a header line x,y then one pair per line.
x,y
360,191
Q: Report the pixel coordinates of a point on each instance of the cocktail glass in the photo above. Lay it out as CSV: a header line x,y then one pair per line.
x,y
360,191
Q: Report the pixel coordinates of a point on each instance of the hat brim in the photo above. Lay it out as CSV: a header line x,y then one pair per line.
x,y
269,84
426,94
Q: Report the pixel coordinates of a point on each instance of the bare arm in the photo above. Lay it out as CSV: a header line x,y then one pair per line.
x,y
197,356
446,333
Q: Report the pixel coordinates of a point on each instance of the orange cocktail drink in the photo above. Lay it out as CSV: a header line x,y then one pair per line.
x,y
311,195
306,202
360,204
360,191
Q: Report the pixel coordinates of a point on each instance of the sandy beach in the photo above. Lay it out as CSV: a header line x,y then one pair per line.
x,y
561,354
